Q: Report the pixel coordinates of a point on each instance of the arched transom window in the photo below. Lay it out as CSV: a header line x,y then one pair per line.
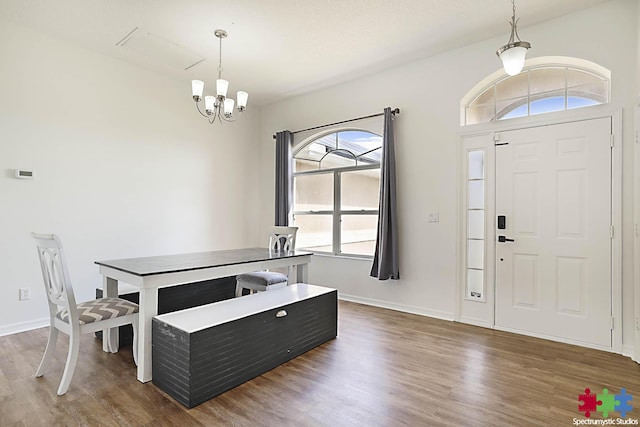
x,y
539,88
336,186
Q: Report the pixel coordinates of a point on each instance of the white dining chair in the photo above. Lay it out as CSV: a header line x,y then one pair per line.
x,y
281,239
75,319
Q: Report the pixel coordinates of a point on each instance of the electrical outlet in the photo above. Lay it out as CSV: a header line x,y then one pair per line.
x,y
434,217
25,294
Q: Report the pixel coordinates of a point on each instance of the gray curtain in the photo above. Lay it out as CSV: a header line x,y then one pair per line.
x,y
283,177
385,260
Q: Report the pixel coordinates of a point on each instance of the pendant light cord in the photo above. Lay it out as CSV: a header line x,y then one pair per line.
x,y
220,59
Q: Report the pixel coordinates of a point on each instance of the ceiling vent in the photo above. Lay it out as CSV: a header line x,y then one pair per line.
x,y
172,54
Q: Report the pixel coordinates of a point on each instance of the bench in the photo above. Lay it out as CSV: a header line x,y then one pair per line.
x,y
204,351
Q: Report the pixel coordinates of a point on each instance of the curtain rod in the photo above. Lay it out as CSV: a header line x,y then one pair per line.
x,y
394,112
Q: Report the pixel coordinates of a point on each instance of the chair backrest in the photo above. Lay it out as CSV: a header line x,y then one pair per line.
x,y
283,239
57,281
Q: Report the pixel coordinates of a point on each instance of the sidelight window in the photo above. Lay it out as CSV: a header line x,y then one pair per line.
x,y
475,232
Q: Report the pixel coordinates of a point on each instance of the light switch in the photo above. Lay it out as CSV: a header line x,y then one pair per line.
x,y
434,216
24,174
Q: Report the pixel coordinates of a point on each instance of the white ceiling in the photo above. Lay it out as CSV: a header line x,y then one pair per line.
x,y
280,48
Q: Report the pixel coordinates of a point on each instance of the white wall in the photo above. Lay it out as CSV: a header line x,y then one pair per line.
x,y
125,167
427,133
636,182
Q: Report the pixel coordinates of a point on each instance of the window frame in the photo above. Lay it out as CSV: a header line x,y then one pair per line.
x,y
337,212
490,83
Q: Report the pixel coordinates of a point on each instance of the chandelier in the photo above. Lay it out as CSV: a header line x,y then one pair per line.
x,y
513,53
219,107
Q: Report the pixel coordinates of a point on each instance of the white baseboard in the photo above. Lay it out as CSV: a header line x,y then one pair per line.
x,y
15,328
628,350
476,322
397,307
556,339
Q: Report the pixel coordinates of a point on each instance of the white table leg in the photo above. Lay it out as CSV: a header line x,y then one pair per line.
x,y
110,290
302,272
291,275
148,308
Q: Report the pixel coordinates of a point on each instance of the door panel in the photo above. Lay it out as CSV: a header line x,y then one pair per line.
x,y
553,184
525,281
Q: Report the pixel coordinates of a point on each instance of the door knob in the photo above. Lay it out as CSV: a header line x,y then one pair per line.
x,y
504,239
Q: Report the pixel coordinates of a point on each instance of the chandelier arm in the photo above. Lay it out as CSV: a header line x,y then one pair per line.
x,y
198,107
515,31
217,114
232,118
514,24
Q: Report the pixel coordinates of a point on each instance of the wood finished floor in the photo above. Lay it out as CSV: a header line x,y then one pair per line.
x,y
385,369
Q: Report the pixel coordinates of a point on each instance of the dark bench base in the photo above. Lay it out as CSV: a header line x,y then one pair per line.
x,y
195,367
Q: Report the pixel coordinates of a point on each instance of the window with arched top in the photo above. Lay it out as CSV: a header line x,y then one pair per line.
x,y
545,85
336,186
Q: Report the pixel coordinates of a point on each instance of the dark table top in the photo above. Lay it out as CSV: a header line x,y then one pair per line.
x,y
195,261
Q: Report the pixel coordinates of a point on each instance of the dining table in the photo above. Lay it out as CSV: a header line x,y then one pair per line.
x,y
149,274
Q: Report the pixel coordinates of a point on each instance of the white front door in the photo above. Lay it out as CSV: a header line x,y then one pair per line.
x,y
553,187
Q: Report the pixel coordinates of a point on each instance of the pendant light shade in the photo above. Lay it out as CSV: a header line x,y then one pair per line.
x,y
221,87
242,97
513,59
197,87
209,103
228,106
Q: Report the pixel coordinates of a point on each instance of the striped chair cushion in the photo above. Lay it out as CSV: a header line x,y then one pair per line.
x,y
100,309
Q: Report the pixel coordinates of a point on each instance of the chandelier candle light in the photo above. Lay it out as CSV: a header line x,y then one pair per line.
x,y
513,53
219,107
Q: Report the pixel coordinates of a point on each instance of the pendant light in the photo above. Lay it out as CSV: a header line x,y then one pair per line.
x,y
219,107
513,53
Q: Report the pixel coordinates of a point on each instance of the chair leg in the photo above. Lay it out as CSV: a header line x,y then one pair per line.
x,y
110,343
134,349
72,359
239,289
48,352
